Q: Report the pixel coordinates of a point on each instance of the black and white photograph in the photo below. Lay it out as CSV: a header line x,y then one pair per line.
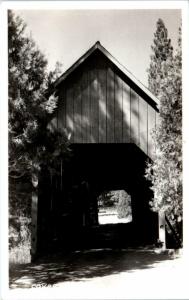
x,y
93,164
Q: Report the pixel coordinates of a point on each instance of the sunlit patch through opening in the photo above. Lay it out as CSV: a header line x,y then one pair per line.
x,y
114,207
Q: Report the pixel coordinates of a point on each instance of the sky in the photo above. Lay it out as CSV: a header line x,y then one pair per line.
x,y
65,35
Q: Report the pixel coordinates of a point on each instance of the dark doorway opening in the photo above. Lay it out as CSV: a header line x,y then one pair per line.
x,y
68,213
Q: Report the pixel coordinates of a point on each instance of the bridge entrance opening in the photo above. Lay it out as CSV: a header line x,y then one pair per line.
x,y
114,207
100,200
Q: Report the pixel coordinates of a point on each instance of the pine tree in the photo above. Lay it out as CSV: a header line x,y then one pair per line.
x,y
165,172
162,50
31,104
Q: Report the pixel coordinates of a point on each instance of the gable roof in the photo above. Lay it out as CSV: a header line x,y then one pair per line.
x,y
110,57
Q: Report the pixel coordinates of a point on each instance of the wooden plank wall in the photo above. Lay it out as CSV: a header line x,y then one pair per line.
x,y
102,96
97,106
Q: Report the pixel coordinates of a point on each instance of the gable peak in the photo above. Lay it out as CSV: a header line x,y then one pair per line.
x,y
97,43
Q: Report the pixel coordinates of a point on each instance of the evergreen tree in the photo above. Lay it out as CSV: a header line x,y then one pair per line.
x,y
124,205
162,51
165,172
31,104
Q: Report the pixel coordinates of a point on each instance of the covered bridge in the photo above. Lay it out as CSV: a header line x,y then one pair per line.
x,y
108,117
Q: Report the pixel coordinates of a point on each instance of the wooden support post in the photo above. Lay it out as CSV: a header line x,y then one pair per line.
x,y
34,212
162,238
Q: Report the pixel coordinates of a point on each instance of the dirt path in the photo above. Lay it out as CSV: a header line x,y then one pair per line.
x,y
102,274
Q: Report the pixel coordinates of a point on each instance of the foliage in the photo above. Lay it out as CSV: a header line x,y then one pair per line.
x,y
108,199
31,106
165,172
118,201
19,239
124,205
162,51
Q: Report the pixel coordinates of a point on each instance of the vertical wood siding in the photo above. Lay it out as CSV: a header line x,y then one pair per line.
x,y
110,106
126,113
61,110
94,115
118,109
85,121
70,114
77,112
134,118
151,126
143,120
102,96
97,105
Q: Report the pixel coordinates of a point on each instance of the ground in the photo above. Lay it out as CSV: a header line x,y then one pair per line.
x,y
101,274
112,218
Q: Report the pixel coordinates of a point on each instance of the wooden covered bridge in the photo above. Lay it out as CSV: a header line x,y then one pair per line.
x,y
108,117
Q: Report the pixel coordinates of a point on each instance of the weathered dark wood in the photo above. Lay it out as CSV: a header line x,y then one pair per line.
x,y
110,106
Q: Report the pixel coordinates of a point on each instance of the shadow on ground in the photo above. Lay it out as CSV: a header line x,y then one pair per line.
x,y
82,266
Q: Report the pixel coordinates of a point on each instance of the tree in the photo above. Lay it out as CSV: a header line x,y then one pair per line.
x,y
165,172
118,201
124,205
31,104
162,51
